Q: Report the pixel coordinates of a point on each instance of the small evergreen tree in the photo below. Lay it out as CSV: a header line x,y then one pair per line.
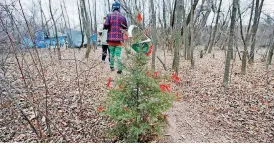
x,y
136,103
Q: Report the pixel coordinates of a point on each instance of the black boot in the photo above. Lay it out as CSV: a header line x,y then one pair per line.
x,y
111,68
119,72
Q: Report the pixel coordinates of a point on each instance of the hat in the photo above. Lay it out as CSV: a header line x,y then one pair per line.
x,y
115,6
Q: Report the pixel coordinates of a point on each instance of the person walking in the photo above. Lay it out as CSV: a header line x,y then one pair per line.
x,y
115,24
105,49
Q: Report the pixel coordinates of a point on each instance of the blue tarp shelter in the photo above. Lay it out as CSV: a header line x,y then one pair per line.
x,y
43,42
74,38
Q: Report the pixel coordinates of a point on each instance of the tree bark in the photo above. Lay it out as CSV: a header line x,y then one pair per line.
x,y
176,58
243,68
192,34
270,53
230,44
185,36
164,14
90,16
86,24
81,26
172,21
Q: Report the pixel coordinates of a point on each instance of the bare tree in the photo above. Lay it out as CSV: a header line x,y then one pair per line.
x,y
230,44
90,16
258,9
185,35
179,14
164,14
95,22
248,33
212,41
172,18
243,69
56,32
86,24
81,26
154,37
270,53
191,27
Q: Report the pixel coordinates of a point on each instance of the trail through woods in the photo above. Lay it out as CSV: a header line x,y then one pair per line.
x,y
205,113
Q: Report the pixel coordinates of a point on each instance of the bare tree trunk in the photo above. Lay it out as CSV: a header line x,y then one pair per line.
x,y
172,20
248,32
270,53
154,35
185,35
109,6
176,58
143,12
90,16
55,29
164,14
215,28
258,10
230,44
81,26
86,24
243,69
192,34
210,36
42,20
95,22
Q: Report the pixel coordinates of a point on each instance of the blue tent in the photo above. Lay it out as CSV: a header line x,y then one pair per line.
x,y
41,41
74,38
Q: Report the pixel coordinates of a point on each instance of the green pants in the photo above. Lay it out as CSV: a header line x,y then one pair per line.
x,y
115,51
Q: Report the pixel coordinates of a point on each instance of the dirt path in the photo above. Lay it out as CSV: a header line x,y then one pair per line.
x,y
187,126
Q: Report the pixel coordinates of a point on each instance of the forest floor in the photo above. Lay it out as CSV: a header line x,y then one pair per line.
x,y
206,112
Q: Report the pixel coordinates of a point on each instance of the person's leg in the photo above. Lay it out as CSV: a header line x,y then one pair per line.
x,y
104,52
108,54
112,54
118,50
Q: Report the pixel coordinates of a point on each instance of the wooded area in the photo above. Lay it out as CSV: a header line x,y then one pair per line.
x,y
55,88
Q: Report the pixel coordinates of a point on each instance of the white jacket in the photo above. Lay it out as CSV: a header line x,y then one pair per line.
x,y
104,37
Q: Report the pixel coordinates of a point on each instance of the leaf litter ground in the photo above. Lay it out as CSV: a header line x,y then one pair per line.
x,y
206,111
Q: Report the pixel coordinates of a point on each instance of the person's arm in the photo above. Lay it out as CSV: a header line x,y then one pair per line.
x,y
107,23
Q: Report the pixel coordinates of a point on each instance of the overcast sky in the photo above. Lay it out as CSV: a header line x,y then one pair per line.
x,y
29,5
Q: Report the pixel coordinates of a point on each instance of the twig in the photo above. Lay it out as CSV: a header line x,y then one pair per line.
x,y
162,63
